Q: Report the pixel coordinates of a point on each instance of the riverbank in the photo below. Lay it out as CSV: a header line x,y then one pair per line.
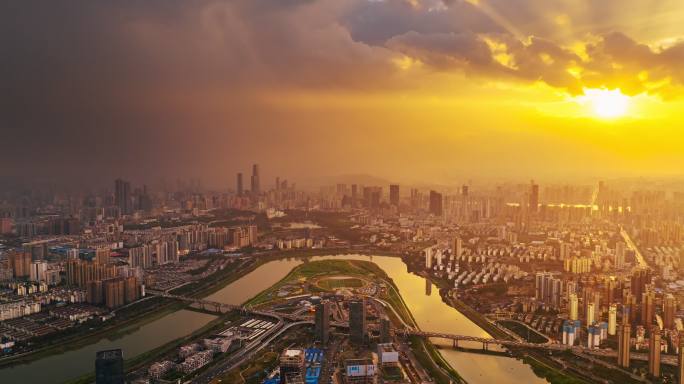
x,y
80,340
541,365
152,355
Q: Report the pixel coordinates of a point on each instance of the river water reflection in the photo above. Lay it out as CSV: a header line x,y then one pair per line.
x,y
429,311
133,340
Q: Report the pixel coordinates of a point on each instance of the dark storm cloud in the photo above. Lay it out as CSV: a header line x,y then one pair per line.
x,y
112,87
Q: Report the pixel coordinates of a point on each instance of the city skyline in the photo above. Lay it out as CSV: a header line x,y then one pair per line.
x,y
342,192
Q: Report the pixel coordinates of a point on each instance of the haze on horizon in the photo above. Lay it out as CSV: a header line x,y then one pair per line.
x,y
411,91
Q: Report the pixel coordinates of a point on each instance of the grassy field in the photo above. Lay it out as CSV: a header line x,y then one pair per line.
x,y
332,284
322,268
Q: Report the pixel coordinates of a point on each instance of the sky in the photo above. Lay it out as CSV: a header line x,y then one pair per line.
x,y
413,91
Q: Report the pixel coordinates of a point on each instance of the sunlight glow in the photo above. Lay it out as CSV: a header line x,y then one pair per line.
x,y
606,103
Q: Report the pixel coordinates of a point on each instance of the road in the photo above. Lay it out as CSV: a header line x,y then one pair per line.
x,y
248,352
630,244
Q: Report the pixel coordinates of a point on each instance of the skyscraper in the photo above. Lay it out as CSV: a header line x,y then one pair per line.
x,y
109,367
357,321
654,352
436,203
122,196
534,198
255,180
624,336
323,322
394,194
385,330
240,186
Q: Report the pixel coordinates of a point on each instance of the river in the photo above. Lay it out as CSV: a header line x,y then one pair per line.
x,y
429,311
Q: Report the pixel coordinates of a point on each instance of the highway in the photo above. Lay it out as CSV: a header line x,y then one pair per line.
x,y
630,244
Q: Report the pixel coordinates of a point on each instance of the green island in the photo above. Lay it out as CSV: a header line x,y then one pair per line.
x,y
331,275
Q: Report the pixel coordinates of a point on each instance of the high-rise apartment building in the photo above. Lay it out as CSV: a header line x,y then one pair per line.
x,y
548,289
590,314
669,307
654,352
115,292
457,250
20,263
612,319
647,308
573,305
624,340
38,270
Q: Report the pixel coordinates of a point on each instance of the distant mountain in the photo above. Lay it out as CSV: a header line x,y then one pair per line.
x,y
361,179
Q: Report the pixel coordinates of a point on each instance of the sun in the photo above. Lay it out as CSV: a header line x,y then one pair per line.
x,y
606,103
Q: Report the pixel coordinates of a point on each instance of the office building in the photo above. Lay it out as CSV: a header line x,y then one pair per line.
x,y
109,368
436,203
624,341
394,194
256,187
534,198
240,187
654,352
357,321
323,322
